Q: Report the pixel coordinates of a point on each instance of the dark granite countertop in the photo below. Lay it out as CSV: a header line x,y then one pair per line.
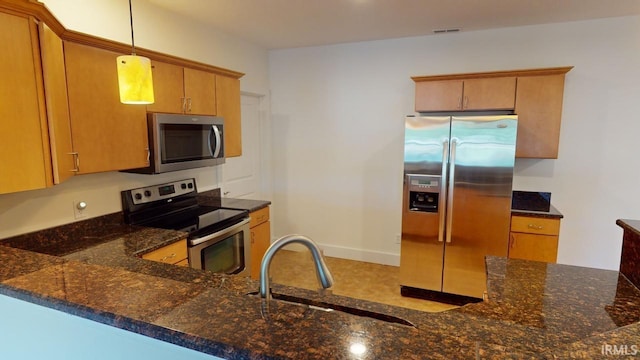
x,y
536,310
629,225
213,198
553,213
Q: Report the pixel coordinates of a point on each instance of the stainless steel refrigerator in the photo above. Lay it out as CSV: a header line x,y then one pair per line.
x,y
458,174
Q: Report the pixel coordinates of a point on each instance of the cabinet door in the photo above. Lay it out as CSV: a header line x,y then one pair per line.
x,y
260,241
489,94
228,106
533,247
24,158
200,91
539,109
168,88
445,95
107,135
55,85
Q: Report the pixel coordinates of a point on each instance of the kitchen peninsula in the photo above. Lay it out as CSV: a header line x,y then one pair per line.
x,y
92,269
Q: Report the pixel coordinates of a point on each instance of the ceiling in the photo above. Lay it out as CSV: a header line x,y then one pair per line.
x,y
276,24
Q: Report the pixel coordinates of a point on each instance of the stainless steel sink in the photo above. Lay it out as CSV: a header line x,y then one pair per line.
x,y
324,306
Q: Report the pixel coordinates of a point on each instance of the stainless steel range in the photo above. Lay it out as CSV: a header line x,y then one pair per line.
x,y
218,239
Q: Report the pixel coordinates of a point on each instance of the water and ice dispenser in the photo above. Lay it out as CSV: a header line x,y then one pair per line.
x,y
424,192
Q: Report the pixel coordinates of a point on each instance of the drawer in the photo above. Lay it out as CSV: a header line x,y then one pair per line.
x,y
259,216
169,254
535,225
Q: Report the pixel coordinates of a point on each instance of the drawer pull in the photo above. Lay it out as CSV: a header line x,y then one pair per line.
x,y
536,227
168,257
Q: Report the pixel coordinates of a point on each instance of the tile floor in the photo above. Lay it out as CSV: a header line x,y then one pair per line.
x,y
356,279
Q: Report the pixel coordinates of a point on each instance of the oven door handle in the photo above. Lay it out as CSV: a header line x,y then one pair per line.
x,y
197,241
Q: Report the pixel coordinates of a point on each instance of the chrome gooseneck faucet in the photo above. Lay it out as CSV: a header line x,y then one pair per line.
x,y
322,271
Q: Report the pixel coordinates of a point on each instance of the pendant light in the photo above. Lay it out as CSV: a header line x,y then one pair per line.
x,y
134,75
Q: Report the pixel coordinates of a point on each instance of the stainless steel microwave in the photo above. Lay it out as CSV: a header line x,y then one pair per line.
x,y
179,142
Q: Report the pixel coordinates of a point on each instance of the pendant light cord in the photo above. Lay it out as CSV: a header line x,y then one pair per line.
x,y
133,47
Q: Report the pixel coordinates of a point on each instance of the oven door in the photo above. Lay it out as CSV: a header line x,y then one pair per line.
x,y
226,251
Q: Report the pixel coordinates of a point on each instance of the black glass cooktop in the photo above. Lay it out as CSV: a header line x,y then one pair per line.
x,y
199,219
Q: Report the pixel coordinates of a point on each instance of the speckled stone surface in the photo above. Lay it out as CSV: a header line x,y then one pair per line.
x,y
630,258
536,310
553,213
213,198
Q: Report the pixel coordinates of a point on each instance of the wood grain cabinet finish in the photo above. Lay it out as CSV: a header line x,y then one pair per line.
x,y
533,238
260,238
539,109
535,95
24,163
57,104
228,106
175,253
181,90
107,135
34,128
466,95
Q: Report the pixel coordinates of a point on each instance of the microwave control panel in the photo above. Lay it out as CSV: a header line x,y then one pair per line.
x,y
162,192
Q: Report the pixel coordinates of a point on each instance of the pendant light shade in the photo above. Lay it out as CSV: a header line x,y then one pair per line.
x,y
134,75
134,80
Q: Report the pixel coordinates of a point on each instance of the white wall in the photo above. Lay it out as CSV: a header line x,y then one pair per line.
x,y
337,114
155,29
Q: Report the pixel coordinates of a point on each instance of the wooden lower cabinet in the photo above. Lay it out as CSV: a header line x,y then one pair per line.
x,y
534,238
260,238
175,254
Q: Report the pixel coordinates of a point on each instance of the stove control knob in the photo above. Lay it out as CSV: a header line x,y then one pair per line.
x,y
137,196
147,193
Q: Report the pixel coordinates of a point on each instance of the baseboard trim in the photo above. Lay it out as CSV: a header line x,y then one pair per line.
x,y
376,257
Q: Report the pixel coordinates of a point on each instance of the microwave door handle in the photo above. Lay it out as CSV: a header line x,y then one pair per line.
x,y
215,153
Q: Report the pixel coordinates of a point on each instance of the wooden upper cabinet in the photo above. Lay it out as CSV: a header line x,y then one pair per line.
x,y
25,161
107,135
489,94
228,106
535,95
168,88
439,95
55,85
200,92
464,95
181,90
539,109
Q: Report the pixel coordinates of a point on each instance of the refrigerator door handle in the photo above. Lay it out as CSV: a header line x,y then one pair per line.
x,y
442,202
452,175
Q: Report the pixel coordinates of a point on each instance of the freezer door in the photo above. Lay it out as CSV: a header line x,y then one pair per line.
x,y
425,161
482,155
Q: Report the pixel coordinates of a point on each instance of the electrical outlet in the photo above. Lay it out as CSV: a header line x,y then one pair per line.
x,y
398,238
79,209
